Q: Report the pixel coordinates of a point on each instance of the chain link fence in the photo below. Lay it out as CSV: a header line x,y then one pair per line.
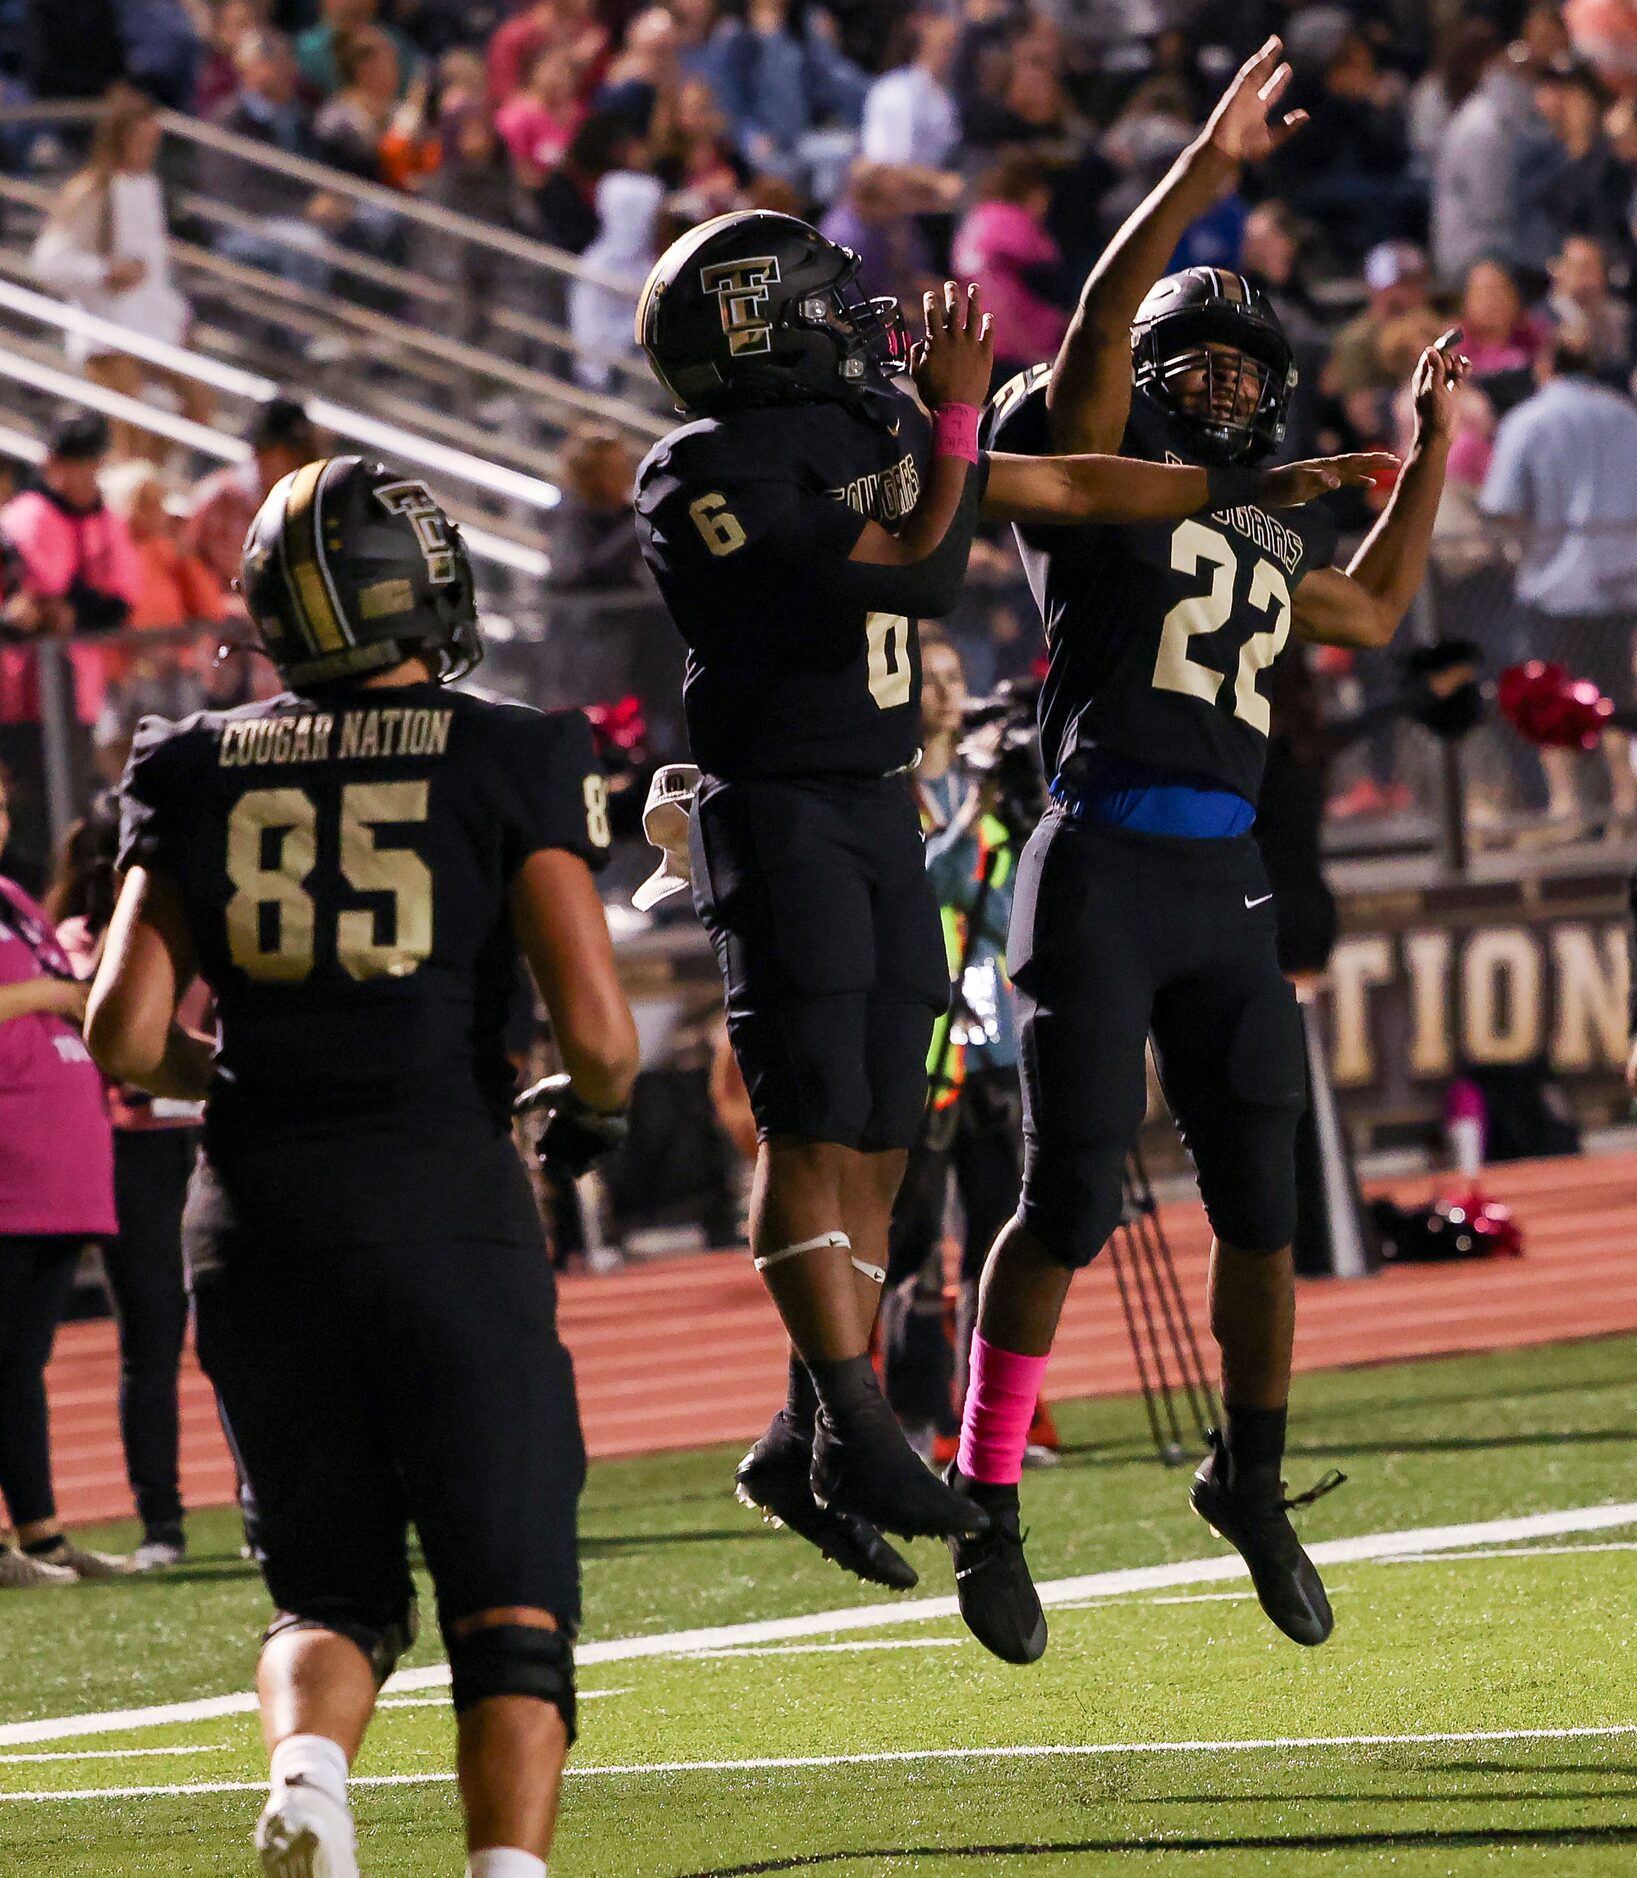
x,y
1488,586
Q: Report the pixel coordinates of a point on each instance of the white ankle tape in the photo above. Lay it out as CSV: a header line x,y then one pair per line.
x,y
877,1274
820,1244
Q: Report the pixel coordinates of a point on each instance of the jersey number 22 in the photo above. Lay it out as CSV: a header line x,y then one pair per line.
x,y
1193,547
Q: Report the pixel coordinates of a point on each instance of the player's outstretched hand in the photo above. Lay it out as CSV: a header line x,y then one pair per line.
x,y
1439,374
1292,484
1243,127
953,364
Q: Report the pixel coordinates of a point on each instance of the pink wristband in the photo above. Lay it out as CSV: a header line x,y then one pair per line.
x,y
955,431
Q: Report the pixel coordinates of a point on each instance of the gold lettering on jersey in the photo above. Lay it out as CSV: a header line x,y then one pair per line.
x,y
304,739
1273,538
392,731
884,495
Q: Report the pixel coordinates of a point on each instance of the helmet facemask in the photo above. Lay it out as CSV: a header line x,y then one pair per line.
x,y
1228,389
871,338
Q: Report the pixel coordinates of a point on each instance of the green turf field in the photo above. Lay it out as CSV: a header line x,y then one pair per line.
x,y
1168,1730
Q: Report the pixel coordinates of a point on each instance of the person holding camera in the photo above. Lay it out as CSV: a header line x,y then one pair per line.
x,y
973,1125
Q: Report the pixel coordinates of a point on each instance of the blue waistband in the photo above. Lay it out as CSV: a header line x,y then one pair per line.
x,y
1150,802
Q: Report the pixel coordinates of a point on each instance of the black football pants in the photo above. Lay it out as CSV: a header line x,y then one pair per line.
x,y
386,1382
1116,936
144,1270
815,896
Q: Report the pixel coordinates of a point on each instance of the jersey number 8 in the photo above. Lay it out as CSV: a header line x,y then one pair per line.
x,y
1192,545
271,916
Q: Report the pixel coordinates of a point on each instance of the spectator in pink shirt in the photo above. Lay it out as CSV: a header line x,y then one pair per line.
x,y
56,1193
79,575
539,122
1498,335
1003,246
517,44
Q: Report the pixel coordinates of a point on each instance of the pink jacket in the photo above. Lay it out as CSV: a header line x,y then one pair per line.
x,y
56,1147
993,246
56,547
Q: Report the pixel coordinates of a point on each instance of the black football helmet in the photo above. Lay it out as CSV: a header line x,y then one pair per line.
x,y
1208,351
760,308
349,568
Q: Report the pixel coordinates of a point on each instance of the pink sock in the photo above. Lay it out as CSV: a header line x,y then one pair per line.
x,y
1001,1393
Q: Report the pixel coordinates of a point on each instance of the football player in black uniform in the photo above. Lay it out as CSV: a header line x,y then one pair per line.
x,y
1141,904
354,867
799,524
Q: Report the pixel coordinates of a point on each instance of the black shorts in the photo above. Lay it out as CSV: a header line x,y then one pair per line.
x,y
1115,935
827,931
373,1383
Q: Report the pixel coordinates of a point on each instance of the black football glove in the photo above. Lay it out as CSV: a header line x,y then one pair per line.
x,y
576,1135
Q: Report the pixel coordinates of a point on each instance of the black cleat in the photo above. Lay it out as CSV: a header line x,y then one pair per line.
x,y
998,1601
868,1469
774,1479
1252,1513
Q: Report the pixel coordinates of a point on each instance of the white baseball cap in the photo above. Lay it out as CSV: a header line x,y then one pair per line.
x,y
665,822
1390,262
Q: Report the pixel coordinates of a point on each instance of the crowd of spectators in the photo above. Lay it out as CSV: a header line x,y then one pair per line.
x,y
1005,135
1473,161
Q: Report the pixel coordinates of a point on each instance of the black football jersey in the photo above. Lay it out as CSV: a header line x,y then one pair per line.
x,y
1158,633
345,861
744,520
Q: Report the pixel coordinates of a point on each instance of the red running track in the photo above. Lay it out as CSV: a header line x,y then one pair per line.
x,y
688,1352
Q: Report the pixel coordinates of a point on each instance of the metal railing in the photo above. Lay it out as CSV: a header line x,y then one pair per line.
x,y
196,148
483,544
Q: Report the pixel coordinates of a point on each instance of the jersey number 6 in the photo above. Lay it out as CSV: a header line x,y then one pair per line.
x,y
271,916
1192,546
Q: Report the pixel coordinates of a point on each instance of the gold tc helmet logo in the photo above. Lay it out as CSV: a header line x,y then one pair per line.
x,y
741,288
413,499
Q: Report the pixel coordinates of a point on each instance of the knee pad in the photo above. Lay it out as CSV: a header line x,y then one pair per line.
x,y
514,1659
382,1644
1073,1193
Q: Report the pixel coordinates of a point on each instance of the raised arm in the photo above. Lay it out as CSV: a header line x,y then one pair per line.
x,y
1090,392
1364,605
953,366
1071,489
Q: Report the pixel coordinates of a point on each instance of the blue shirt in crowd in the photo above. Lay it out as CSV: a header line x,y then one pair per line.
x,y
1565,468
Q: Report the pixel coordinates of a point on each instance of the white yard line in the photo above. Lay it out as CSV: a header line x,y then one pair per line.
x,y
1061,1591
783,1763
1511,1551
826,1649
1207,1597
114,1754
420,1701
